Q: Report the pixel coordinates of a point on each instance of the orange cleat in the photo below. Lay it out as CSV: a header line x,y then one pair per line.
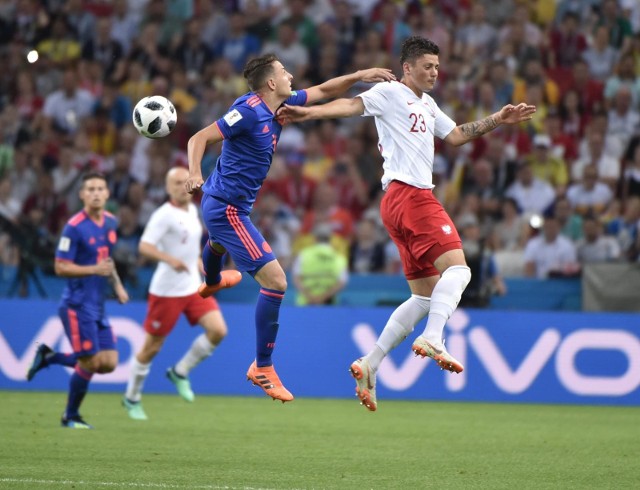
x,y
436,351
229,279
365,383
267,379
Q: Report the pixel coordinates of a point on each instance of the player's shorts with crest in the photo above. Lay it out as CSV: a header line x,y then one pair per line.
x,y
231,227
419,226
88,332
163,312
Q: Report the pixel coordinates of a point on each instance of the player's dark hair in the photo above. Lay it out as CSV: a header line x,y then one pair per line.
x,y
257,70
416,46
93,175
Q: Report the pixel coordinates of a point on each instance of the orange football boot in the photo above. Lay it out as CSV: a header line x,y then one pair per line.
x,y
229,279
267,379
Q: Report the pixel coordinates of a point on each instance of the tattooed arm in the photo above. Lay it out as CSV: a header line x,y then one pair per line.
x,y
509,114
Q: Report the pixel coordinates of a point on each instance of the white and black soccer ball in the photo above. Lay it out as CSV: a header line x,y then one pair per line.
x,y
154,116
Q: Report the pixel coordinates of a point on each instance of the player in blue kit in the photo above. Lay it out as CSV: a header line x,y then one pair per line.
x,y
84,257
250,132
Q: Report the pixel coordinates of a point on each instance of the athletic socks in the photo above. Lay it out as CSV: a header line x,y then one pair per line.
x,y
68,360
267,313
400,324
444,300
201,348
137,377
212,261
78,387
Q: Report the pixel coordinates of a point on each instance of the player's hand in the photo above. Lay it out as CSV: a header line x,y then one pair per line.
x,y
374,75
105,267
292,113
511,114
193,183
121,293
177,265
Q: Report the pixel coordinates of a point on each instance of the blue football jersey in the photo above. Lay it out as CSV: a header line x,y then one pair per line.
x,y
86,242
251,133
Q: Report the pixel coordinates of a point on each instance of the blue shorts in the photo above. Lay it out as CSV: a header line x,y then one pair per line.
x,y
88,333
232,228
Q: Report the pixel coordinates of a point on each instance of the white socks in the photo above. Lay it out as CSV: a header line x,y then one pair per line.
x,y
201,348
400,324
138,374
444,300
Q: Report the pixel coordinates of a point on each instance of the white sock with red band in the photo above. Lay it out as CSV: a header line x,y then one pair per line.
x,y
400,324
444,300
201,348
138,374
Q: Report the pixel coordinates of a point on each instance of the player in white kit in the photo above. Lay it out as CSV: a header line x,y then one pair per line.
x,y
173,237
407,120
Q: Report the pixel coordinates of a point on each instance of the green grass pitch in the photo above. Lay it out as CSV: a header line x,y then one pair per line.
x,y
255,443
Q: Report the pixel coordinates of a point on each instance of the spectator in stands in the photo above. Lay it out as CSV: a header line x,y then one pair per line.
x,y
631,176
59,45
618,26
192,53
626,75
317,164
80,20
66,178
22,174
623,119
589,196
570,221
125,253
289,49
367,251
304,25
625,229
277,223
476,39
66,109
532,194
124,24
512,231
502,82
534,74
550,254
607,166
10,207
601,56
567,42
350,186
392,28
102,48
589,91
546,166
432,27
481,183
320,272
295,189
572,114
53,207
595,246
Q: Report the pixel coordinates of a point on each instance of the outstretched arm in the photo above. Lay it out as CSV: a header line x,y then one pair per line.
x,y
339,85
509,114
335,109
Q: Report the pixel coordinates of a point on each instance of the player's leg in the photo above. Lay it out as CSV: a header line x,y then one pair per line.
x,y
162,315
444,300
273,282
205,312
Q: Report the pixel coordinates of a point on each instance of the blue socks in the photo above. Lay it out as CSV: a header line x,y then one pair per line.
x,y
78,387
267,312
212,262
64,359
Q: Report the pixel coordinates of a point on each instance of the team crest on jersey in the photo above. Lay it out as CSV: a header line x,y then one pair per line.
x,y
293,93
446,229
112,236
232,117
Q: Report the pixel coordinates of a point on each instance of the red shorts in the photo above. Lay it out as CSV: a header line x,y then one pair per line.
x,y
419,226
163,312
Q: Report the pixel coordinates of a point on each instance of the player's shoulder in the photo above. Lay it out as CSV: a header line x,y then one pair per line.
x,y
110,220
76,219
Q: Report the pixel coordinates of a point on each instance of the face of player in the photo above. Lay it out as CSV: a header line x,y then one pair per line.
x,y
281,80
421,75
94,194
176,179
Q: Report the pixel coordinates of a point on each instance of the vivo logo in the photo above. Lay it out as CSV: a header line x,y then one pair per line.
x,y
52,334
549,347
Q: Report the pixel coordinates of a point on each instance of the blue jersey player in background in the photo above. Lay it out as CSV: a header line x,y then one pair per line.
x,y
84,257
250,132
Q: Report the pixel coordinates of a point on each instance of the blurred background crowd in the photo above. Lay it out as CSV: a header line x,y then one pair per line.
x,y
539,200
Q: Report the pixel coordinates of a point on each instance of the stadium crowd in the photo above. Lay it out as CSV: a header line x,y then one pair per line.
x,y
537,200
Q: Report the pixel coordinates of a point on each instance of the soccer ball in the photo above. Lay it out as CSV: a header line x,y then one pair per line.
x,y
154,116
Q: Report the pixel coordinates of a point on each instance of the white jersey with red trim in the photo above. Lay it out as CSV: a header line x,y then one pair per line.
x,y
176,232
406,127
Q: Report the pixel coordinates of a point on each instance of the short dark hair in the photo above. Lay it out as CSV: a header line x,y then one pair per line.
x,y
415,46
93,175
257,70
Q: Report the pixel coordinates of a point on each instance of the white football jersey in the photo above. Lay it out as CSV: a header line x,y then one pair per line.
x,y
178,233
406,126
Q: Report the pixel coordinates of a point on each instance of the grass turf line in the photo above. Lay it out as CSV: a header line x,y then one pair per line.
x,y
254,443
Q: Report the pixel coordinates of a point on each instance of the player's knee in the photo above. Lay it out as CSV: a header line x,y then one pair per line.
x,y
107,366
460,274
